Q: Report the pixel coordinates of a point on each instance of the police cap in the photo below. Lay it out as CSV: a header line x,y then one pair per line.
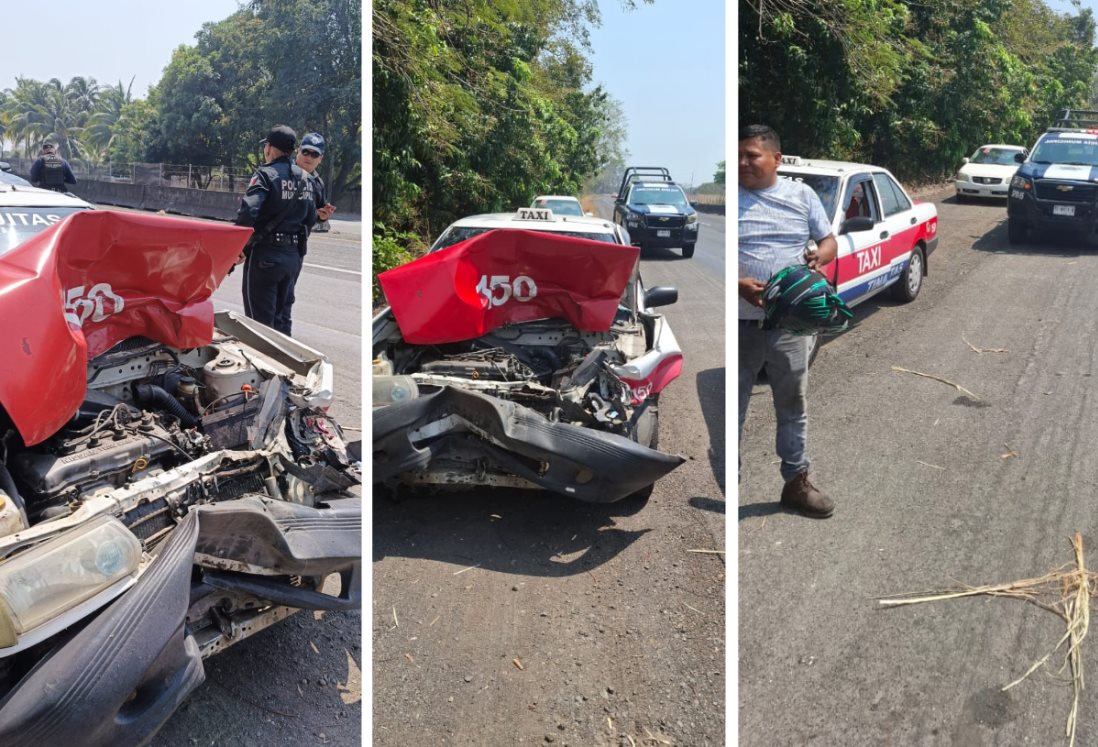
x,y
313,141
281,137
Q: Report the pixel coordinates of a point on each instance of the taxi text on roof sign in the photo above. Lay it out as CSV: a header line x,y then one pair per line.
x,y
791,160
529,213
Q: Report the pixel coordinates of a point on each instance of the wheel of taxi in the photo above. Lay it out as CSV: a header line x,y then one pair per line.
x,y
688,251
1017,231
912,280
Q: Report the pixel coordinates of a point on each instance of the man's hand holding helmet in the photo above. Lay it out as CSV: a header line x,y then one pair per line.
x,y
751,291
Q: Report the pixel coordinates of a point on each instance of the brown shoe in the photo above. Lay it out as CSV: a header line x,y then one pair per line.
x,y
802,496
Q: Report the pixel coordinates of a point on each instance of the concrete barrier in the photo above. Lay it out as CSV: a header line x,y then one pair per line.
x,y
704,208
199,203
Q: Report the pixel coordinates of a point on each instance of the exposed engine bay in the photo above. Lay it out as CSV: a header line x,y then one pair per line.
x,y
223,421
536,404
568,376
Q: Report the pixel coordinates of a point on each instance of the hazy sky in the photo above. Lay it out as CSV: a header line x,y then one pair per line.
x,y
665,63
111,42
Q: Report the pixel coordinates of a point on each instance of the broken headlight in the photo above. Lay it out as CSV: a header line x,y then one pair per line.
x,y
46,581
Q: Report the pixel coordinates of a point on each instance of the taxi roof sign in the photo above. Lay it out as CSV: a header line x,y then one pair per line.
x,y
791,160
532,213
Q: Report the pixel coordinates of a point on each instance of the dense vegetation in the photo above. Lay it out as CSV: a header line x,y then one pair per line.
x,y
914,86
295,62
478,106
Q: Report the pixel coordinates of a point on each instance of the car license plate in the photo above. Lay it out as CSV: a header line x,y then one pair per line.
x,y
665,234
1063,210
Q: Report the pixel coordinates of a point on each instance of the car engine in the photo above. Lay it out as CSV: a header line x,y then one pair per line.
x,y
546,365
150,409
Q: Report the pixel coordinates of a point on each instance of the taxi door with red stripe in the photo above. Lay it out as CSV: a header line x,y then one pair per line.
x,y
870,260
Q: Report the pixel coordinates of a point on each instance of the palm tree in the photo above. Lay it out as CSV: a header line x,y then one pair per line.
x,y
51,111
102,125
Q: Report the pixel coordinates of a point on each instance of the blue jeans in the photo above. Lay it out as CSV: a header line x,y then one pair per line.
x,y
785,357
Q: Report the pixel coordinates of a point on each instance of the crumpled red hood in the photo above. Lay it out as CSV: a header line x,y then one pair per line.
x,y
504,277
91,281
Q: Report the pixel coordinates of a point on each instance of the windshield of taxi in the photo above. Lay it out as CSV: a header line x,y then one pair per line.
x,y
17,224
995,156
461,233
1068,148
826,187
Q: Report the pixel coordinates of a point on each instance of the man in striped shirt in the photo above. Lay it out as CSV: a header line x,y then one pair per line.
x,y
777,217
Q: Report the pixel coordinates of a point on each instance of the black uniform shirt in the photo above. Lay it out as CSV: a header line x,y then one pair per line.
x,y
273,184
320,193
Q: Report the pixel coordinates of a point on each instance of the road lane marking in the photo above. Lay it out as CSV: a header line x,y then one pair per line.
x,y
333,269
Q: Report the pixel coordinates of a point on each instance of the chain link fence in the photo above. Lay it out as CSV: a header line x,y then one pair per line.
x,y
191,176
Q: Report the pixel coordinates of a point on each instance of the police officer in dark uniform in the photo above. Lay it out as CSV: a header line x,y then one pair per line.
x,y
309,156
279,206
51,171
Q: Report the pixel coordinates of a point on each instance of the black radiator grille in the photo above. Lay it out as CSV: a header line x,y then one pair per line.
x,y
149,520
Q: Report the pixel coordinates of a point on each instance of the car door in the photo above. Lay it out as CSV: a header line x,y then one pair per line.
x,y
900,227
861,252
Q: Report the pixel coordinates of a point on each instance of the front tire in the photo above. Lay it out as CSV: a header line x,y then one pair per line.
x,y
688,251
911,282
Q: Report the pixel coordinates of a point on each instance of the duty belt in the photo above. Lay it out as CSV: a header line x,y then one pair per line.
x,y
289,239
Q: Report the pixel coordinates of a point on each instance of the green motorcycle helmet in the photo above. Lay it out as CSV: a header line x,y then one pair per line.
x,y
799,300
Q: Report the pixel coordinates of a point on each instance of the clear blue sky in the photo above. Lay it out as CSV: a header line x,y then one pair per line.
x,y
109,41
665,63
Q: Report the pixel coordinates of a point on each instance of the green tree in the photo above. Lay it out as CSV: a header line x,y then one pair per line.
x,y
910,85
294,62
37,112
481,105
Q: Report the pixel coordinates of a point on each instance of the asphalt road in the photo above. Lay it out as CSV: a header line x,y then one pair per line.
x,y
511,617
932,487
298,682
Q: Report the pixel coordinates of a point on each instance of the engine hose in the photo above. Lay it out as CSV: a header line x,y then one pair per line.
x,y
8,486
150,394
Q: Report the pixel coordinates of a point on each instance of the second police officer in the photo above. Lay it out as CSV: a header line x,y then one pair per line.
x,y
279,206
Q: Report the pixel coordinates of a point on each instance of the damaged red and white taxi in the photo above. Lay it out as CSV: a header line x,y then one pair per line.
x,y
170,480
523,358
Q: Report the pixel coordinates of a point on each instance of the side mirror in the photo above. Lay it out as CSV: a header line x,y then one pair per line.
x,y
1020,157
853,225
661,295
964,160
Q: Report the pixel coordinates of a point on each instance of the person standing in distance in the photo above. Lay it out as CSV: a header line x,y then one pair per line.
x,y
279,207
51,171
309,156
777,217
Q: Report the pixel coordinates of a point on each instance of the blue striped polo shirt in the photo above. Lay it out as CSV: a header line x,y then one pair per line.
x,y
775,225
